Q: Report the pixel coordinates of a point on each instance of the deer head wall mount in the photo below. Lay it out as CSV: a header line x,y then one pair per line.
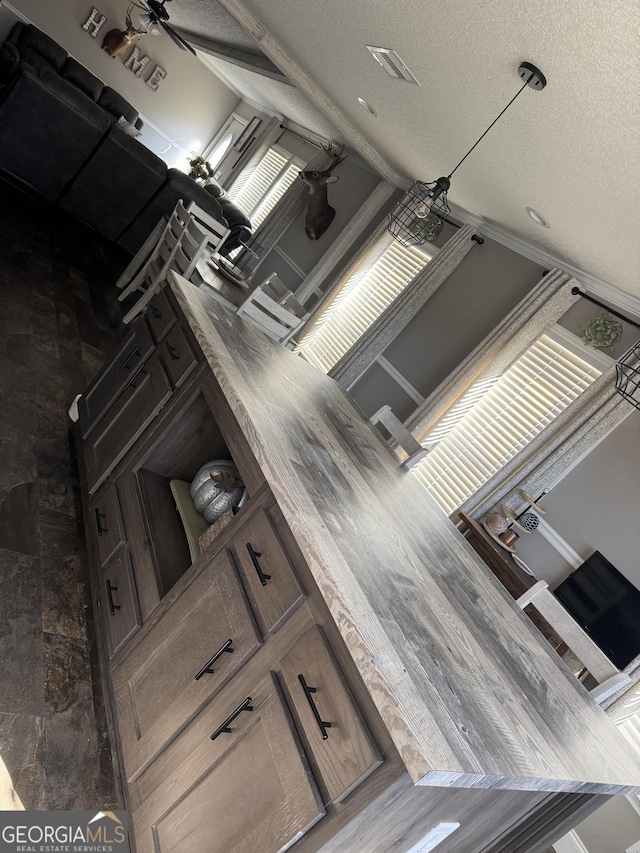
x,y
116,41
319,212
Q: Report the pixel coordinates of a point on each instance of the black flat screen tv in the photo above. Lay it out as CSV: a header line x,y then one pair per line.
x,y
606,605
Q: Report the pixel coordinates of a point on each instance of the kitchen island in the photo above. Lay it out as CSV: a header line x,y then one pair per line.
x,y
400,684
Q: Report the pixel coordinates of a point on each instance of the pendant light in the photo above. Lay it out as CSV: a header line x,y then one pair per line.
x,y
419,217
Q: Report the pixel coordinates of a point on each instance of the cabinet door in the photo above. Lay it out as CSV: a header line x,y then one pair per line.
x,y
182,662
159,315
146,392
177,355
256,796
106,521
134,351
267,572
118,602
337,737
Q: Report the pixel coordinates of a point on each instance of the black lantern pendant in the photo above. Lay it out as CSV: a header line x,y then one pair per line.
x,y
419,217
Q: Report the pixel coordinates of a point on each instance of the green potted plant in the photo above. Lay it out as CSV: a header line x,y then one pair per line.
x,y
200,169
602,332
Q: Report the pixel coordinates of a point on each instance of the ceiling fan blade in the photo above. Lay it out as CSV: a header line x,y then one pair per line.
x,y
182,44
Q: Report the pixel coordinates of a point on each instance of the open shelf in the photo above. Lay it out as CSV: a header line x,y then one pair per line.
x,y
189,441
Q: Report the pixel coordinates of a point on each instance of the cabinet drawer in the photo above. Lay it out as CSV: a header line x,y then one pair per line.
x,y
178,357
160,315
142,559
267,572
182,662
134,350
255,795
118,602
141,399
337,737
106,521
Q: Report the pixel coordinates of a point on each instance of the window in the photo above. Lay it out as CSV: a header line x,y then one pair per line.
x,y
215,158
512,410
258,188
362,298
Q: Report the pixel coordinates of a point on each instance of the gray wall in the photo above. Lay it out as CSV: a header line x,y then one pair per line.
x,y
190,105
613,828
489,282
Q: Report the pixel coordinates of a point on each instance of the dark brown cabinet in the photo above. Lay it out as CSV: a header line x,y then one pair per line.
x,y
117,601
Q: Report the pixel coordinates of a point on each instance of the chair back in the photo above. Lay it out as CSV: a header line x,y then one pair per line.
x,y
400,436
274,310
605,672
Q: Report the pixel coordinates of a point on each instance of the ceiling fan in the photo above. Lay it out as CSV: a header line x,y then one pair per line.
x,y
154,13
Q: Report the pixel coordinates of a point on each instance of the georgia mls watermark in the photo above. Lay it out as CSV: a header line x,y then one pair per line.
x,y
64,832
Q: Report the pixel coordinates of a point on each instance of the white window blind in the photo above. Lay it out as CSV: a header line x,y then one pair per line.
x,y
258,189
359,302
519,405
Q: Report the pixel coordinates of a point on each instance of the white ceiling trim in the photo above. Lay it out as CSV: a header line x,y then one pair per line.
x,y
306,85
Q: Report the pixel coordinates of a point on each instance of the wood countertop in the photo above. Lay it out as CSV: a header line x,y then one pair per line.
x,y
471,694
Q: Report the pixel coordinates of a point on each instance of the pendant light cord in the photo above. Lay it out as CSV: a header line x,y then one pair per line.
x,y
518,93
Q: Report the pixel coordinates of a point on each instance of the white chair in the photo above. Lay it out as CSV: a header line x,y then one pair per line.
x,y
401,436
274,310
189,234
608,676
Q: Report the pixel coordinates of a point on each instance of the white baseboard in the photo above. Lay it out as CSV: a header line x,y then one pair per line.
x,y
570,844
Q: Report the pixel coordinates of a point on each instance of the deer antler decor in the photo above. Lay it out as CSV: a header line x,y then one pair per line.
x,y
117,41
319,212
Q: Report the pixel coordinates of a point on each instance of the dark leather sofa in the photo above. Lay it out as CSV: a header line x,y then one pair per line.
x,y
59,135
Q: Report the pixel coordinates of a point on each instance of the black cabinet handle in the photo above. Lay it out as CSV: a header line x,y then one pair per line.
x,y
322,725
133,354
101,530
224,728
155,312
256,565
132,382
110,590
206,669
173,352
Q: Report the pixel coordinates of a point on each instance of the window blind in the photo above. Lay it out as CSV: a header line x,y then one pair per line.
x,y
519,405
258,189
359,302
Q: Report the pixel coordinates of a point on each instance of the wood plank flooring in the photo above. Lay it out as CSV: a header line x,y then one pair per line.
x,y
58,320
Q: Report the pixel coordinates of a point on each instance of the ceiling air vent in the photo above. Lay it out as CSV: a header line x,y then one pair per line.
x,y
392,64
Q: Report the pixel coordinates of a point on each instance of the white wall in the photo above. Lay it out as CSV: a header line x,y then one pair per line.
x,y
613,828
189,106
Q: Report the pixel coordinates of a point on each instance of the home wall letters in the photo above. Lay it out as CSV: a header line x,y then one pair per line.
x,y
135,63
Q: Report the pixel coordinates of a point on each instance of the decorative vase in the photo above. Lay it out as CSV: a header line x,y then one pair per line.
x,y
216,488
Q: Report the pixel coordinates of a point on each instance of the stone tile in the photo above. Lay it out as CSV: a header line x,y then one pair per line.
x,y
64,598
21,667
66,671
22,749
19,510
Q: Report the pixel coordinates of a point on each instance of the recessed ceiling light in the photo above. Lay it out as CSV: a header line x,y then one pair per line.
x,y
367,106
538,218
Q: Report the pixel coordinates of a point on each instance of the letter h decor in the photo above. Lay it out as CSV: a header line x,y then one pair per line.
x,y
94,22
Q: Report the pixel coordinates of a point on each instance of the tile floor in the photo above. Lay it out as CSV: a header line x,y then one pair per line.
x,y
58,321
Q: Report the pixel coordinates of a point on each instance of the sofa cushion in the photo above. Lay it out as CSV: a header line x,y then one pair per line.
x,y
115,184
115,104
233,214
46,152
215,190
36,60
83,79
30,40
176,186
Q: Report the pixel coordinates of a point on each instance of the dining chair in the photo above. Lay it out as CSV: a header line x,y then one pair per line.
x,y
273,309
400,437
610,679
189,234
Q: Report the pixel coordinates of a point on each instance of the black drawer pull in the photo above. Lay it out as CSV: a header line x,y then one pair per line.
x,y
132,382
322,725
173,352
256,565
224,728
110,590
134,353
101,530
155,312
206,669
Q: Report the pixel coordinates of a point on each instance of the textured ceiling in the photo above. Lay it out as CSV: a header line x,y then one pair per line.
x,y
571,152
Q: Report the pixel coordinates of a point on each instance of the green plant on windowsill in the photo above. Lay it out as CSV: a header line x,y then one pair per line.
x,y
200,169
602,332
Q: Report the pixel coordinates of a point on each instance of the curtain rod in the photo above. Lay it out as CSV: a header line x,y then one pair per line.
x,y
577,292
